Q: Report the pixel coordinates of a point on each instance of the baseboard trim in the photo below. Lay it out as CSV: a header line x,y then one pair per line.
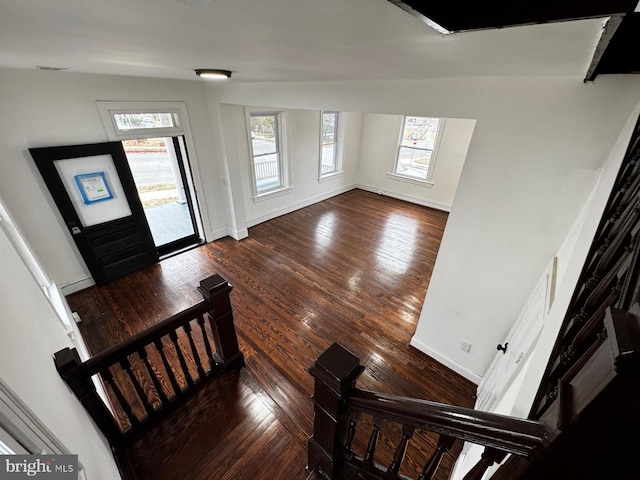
x,y
252,222
446,361
445,207
239,234
218,233
76,285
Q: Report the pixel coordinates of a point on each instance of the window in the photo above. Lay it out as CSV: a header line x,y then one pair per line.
x,y
329,144
129,120
269,169
132,121
416,157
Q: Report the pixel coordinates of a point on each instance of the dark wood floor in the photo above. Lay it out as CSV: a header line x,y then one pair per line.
x,y
353,269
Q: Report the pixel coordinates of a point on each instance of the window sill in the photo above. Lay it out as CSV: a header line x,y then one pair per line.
x,y
273,193
415,181
330,176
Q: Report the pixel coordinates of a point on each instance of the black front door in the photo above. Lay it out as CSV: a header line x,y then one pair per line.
x,y
95,192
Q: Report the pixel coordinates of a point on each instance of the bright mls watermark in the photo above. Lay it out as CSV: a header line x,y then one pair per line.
x,y
50,467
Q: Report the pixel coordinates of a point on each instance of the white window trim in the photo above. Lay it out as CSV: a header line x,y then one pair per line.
x,y
283,151
427,182
339,149
406,179
179,110
108,110
330,176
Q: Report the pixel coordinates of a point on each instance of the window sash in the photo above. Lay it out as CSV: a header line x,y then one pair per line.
x,y
267,174
329,144
113,113
419,171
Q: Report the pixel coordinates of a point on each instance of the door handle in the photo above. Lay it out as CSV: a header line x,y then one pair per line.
x,y
503,349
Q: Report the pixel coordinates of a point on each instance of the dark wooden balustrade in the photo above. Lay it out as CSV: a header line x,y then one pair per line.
x,y
609,278
595,416
339,406
148,374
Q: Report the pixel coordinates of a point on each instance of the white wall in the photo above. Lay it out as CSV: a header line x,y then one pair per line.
x,y
30,333
379,148
520,395
534,157
303,137
588,225
41,109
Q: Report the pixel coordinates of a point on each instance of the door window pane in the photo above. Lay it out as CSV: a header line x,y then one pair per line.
x,y
154,165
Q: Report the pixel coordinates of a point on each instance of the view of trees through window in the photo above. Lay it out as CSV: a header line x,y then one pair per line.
x,y
130,121
416,146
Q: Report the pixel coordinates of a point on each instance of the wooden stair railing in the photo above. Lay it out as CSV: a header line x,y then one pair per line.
x,y
339,405
148,374
610,277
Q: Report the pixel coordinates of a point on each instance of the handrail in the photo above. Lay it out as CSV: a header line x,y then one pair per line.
x,y
338,405
509,434
132,344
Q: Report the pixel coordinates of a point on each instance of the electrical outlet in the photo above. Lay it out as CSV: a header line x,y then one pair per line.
x,y
465,346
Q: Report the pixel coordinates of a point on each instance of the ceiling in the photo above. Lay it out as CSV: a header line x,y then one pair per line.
x,y
616,50
287,40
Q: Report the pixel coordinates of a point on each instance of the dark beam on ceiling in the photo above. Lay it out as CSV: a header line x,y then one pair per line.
x,y
464,15
621,54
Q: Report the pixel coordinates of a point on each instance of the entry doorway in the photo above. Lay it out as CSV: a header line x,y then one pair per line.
x,y
157,142
162,176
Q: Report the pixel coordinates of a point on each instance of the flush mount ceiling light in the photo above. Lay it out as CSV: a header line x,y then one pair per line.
x,y
211,74
194,3
51,69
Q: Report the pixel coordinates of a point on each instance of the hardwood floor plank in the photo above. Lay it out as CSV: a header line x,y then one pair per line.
x,y
352,269
216,431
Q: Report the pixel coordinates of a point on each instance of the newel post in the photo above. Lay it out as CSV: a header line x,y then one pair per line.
x,y
216,291
69,367
335,372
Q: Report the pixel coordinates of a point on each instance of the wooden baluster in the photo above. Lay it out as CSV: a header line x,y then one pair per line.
x,y
69,367
187,376
489,457
196,357
351,433
335,373
108,377
207,346
431,467
401,450
367,461
172,378
216,291
154,378
126,366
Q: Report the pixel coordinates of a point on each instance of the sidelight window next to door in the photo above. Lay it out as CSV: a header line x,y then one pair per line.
x,y
159,166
